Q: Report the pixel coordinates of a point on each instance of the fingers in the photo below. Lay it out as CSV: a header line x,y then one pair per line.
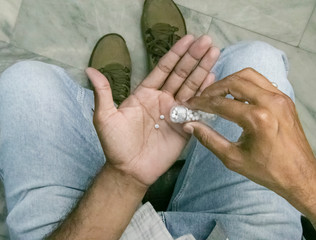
x,y
193,83
210,79
159,74
239,88
187,64
270,97
104,104
213,100
256,78
212,140
229,109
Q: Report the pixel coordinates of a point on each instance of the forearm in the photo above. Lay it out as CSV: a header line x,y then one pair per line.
x,y
302,195
307,206
105,210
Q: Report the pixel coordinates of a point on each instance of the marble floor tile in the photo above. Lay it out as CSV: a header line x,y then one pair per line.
x,y
301,75
8,15
278,19
65,31
308,41
197,23
10,54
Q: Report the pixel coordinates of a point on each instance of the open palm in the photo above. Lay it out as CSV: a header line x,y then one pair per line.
x,y
128,135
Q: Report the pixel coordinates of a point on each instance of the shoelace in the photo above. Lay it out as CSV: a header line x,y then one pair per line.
x,y
119,78
159,39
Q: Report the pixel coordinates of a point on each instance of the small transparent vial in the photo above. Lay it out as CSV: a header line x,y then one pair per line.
x,y
181,114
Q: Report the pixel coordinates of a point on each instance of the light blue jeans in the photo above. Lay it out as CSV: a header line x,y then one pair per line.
x,y
50,152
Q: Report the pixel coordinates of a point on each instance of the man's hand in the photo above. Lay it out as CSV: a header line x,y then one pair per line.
x,y
136,152
130,141
272,150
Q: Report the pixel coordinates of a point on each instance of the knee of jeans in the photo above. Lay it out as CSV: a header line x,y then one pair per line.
x,y
29,81
29,75
257,53
262,57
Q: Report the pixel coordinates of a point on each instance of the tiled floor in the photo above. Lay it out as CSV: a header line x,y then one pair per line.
x,y
64,32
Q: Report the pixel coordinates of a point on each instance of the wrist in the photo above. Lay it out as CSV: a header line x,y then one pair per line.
x,y
303,195
124,181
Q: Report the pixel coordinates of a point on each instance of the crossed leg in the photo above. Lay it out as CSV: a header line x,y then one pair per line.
x,y
47,141
207,192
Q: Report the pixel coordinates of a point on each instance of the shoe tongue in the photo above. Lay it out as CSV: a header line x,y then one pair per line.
x,y
160,38
113,71
119,79
115,67
164,31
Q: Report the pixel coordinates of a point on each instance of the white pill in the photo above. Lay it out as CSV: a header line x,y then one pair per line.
x,y
274,84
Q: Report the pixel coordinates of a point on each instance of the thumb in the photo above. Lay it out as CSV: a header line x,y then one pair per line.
x,y
211,139
102,92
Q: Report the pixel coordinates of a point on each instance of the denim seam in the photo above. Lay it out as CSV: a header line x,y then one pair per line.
x,y
80,96
163,218
175,202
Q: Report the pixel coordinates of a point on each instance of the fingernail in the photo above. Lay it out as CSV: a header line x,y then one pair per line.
x,y
188,128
